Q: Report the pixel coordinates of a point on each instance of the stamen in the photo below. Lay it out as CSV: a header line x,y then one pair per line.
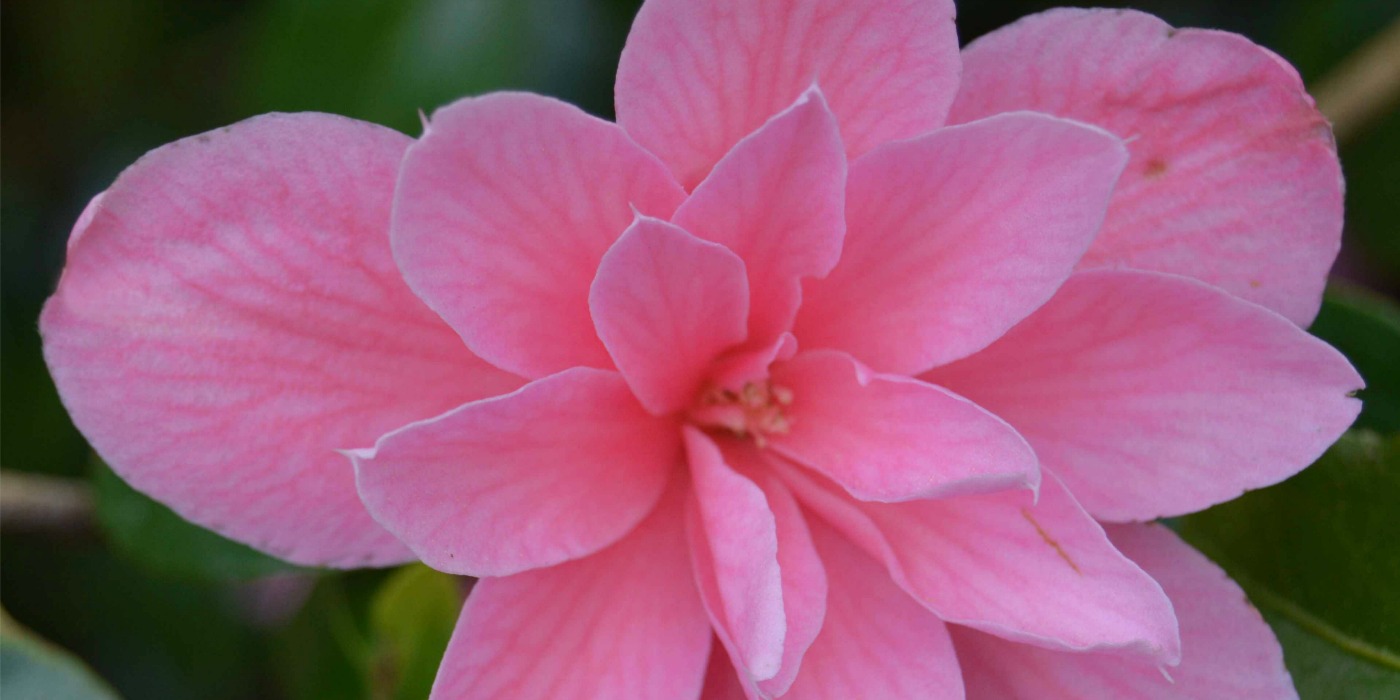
x,y
755,411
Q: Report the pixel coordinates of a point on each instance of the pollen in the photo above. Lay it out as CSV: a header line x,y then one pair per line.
x,y
755,411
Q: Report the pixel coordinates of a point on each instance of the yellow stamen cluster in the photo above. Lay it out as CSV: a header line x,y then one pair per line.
x,y
756,411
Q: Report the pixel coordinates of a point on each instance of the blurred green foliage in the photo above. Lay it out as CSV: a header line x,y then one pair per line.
x,y
159,608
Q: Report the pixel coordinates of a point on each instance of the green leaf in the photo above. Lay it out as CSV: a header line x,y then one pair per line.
x,y
412,618
154,536
1366,328
1319,552
33,668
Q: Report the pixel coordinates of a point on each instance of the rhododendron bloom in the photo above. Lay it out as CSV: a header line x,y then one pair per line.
x,y
845,364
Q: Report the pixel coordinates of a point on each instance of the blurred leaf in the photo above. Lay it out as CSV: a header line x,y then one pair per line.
x,y
33,668
326,651
412,618
1319,551
1323,671
154,536
1366,328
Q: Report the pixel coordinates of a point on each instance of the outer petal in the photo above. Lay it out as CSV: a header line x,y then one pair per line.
x,y
877,643
666,304
1041,573
954,237
777,200
890,438
1228,652
698,75
1234,178
735,545
504,208
230,315
1154,395
557,470
623,623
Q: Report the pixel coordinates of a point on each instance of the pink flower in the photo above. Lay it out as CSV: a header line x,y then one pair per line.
x,y
815,375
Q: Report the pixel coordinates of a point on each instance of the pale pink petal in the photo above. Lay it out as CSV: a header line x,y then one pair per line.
x,y
230,315
1155,395
749,365
777,200
1228,652
666,304
504,208
1035,572
623,623
1234,178
804,578
877,643
735,545
555,471
891,438
698,75
954,237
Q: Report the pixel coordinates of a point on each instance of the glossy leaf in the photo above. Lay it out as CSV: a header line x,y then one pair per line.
x,y
157,538
33,668
1319,553
411,618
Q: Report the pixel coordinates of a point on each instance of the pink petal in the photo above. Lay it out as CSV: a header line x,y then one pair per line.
x,y
1228,652
1041,573
803,580
230,315
1234,178
735,545
954,237
877,642
698,75
890,438
666,304
777,200
504,208
721,679
1154,395
623,623
555,471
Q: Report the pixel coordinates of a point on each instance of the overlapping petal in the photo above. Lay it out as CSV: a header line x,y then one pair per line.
x,y
1037,572
891,438
1234,178
697,76
1155,395
230,315
777,200
504,208
557,470
623,623
955,236
1228,652
666,304
877,643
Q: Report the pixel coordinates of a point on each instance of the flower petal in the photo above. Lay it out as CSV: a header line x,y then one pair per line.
x,y
698,75
555,471
1234,178
956,236
230,315
777,200
877,643
623,623
1040,573
890,438
666,304
1228,652
735,547
803,594
1155,395
721,678
504,208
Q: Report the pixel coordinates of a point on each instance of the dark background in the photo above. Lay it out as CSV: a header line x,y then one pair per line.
x,y
90,85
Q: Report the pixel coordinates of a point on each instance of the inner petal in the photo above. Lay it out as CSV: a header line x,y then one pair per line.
x,y
756,410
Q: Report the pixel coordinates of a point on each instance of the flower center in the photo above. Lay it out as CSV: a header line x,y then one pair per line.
x,y
755,411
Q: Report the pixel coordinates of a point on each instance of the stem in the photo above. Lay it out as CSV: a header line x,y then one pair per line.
x,y
1364,86
44,504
